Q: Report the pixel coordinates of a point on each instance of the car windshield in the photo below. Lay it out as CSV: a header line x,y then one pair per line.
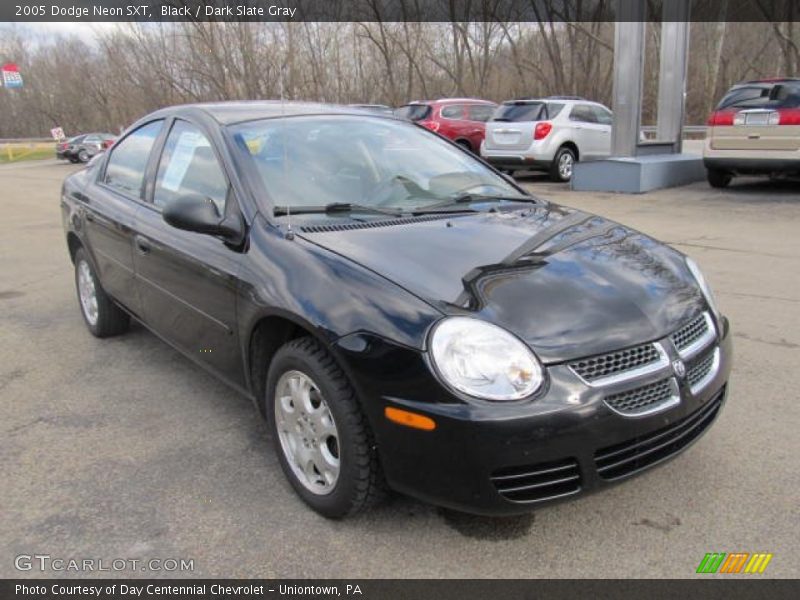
x,y
519,111
374,162
413,112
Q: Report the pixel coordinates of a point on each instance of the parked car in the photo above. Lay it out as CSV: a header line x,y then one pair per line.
x,y
376,108
399,311
755,130
548,134
462,120
82,148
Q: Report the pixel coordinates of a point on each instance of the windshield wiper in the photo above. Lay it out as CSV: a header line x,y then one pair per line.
x,y
333,207
469,199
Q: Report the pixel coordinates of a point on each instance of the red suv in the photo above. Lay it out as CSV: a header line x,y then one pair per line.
x,y
463,120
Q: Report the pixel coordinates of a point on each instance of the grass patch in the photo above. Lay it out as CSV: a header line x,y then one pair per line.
x,y
20,152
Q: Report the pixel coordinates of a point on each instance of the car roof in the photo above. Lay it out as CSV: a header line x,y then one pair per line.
x,y
228,113
451,101
558,99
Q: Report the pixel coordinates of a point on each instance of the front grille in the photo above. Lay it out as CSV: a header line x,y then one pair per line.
x,y
700,369
622,460
605,365
690,333
643,399
540,482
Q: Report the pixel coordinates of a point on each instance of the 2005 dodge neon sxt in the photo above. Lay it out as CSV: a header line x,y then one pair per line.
x,y
403,315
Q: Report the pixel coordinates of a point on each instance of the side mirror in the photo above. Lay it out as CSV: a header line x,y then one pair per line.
x,y
199,214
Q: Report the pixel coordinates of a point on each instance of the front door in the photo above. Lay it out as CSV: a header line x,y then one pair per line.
x,y
188,281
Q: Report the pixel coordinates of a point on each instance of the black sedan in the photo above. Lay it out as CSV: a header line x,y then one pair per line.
x,y
404,316
82,148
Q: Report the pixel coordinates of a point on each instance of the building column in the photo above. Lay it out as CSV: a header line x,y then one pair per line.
x,y
672,72
629,50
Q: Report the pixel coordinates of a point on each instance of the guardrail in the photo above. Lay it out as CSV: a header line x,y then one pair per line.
x,y
688,130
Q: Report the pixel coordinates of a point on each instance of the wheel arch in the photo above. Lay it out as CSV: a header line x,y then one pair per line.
x,y
73,244
572,146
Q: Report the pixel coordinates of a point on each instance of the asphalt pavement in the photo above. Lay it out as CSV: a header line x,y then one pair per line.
x,y
122,448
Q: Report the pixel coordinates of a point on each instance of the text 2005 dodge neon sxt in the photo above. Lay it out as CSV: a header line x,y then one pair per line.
x,y
401,313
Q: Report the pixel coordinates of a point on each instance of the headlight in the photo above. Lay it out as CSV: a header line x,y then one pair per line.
x,y
701,282
483,360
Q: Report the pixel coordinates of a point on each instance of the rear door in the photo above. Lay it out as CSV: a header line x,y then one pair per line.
x,y
452,123
511,127
759,118
591,136
110,207
188,281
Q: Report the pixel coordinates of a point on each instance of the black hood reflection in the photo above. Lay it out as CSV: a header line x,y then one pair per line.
x,y
569,283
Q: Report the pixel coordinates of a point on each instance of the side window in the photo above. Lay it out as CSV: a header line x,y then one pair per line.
x,y
583,113
603,115
189,167
126,165
455,111
481,112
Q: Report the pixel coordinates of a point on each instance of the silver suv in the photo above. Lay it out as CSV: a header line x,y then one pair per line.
x,y
547,134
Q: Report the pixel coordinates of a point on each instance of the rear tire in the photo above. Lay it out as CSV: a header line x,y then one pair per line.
x,y
717,178
323,441
562,165
465,145
101,315
83,156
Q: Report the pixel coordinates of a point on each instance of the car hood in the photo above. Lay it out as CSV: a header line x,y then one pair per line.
x,y
569,283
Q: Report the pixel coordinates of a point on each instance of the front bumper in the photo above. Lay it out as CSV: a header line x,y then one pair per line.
x,y
494,459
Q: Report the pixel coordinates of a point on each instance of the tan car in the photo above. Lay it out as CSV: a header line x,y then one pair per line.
x,y
755,130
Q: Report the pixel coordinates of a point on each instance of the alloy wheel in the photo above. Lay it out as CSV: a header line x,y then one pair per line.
x,y
565,164
307,432
87,293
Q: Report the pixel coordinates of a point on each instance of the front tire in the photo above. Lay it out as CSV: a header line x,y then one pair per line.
x,y
717,178
322,438
83,156
101,315
563,164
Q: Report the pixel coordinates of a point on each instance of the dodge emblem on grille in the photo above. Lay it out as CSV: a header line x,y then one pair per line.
x,y
679,368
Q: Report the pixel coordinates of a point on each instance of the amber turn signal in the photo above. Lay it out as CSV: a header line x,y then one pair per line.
x,y
410,419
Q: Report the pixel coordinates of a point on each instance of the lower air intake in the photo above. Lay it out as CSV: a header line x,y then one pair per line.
x,y
622,460
540,482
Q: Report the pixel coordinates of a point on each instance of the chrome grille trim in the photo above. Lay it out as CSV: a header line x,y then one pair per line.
x,y
622,376
698,386
665,403
697,345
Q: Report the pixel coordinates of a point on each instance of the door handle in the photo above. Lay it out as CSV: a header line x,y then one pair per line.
x,y
90,216
142,245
